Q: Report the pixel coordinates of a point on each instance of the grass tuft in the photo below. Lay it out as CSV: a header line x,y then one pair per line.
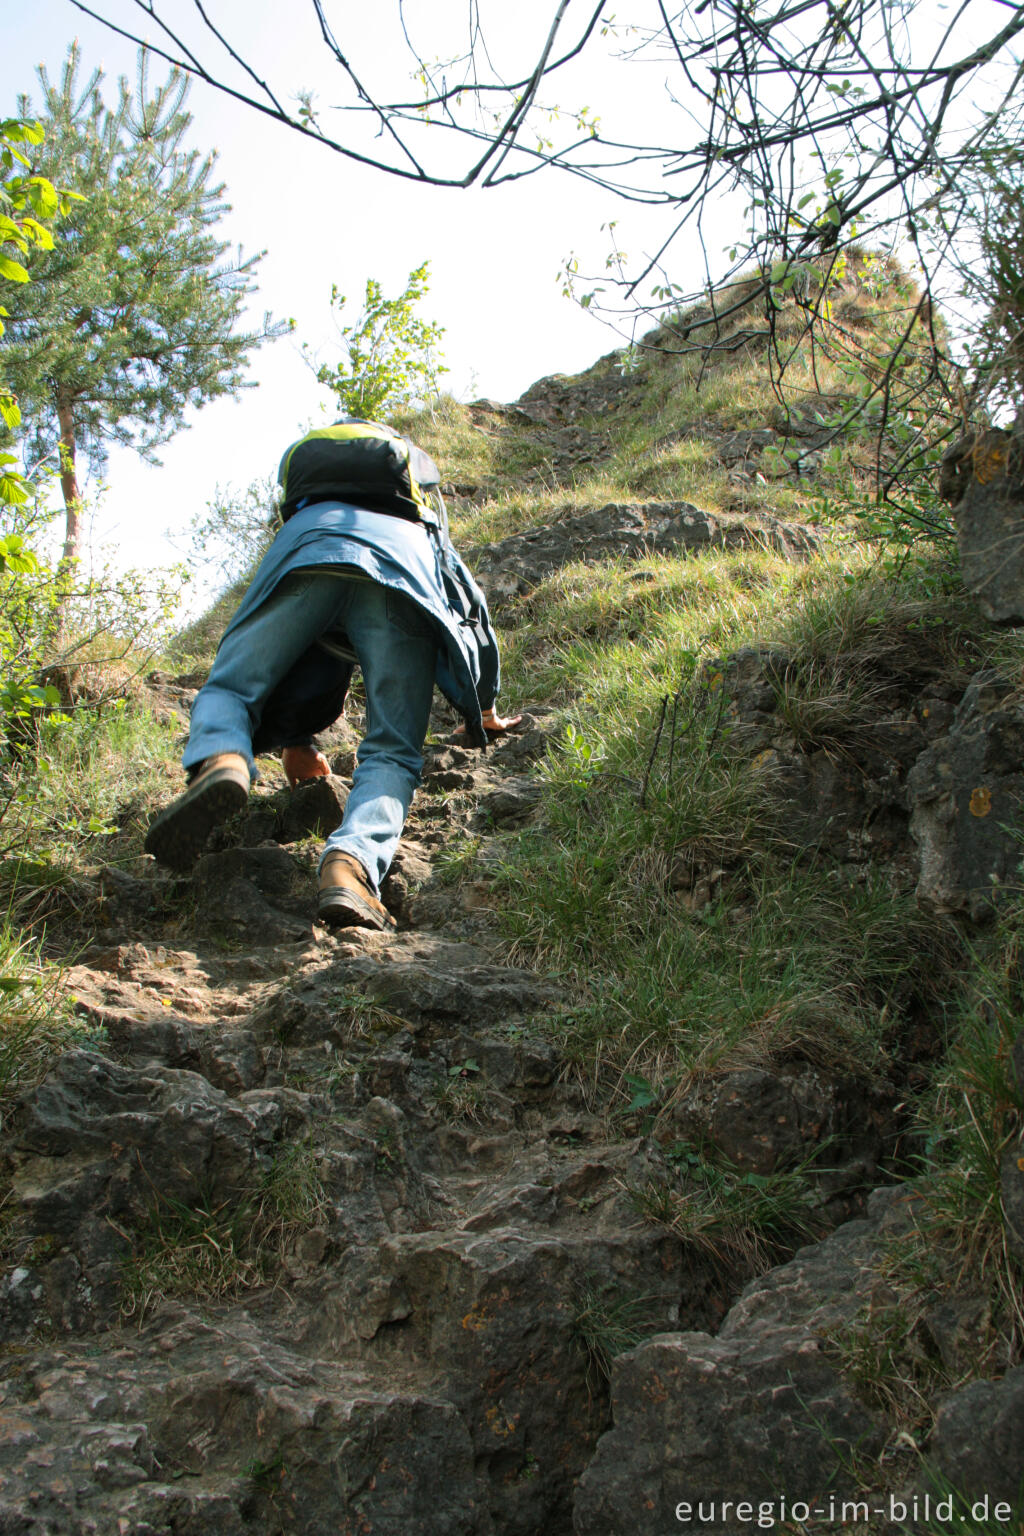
x,y
216,1248
744,1221
37,1021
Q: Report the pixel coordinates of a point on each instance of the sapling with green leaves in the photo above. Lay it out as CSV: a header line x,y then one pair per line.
x,y
390,354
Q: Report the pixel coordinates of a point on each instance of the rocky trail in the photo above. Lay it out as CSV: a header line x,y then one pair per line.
x,y
416,1360
320,1233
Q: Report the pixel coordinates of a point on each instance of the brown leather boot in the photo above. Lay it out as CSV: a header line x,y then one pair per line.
x,y
346,898
178,835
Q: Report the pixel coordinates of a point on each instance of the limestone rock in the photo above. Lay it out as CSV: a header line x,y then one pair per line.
x,y
983,477
256,895
965,791
496,1314
513,801
702,1421
314,809
98,1147
978,1444
520,562
448,984
755,1412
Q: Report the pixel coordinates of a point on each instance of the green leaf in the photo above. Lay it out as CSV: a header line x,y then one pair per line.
x,y
644,1093
15,490
44,196
12,270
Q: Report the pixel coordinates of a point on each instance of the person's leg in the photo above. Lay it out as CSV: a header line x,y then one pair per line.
x,y
256,655
396,643
250,663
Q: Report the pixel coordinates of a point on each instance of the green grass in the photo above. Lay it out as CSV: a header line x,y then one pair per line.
x,y
739,1220
81,796
973,1115
37,1021
216,1247
664,881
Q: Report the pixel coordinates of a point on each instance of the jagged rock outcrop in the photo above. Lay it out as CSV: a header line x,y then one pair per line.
x,y
517,564
965,792
932,783
756,1414
982,476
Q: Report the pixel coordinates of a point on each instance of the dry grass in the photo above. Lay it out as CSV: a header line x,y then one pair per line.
x,y
217,1248
744,1222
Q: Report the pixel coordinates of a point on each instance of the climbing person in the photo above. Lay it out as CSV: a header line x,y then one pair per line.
x,y
362,571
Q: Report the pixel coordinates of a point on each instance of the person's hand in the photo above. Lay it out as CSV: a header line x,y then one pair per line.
x,y
497,725
494,725
302,763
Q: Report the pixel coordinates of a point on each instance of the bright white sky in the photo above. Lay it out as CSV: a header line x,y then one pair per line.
x,y
495,256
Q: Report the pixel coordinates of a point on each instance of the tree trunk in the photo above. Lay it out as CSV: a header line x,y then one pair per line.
x,y
69,481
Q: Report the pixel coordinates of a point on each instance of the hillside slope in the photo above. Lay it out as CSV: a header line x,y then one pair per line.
x,y
488,1225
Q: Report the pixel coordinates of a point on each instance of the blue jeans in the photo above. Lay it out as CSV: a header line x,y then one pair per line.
x,y
396,643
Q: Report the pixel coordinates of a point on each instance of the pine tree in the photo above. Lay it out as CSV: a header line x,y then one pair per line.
x,y
132,317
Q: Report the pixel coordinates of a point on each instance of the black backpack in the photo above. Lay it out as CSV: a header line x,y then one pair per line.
x,y
361,462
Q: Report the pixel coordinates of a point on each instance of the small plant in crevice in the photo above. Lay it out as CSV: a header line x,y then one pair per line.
x,y
267,1474
606,1323
458,858
199,1248
388,1156
362,1016
740,1219
292,1195
460,1096
215,1246
885,1352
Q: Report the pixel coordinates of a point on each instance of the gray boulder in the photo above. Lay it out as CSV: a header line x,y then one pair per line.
x,y
965,793
983,477
978,1445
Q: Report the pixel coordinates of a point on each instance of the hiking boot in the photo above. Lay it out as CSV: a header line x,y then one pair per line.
x,y
346,898
177,836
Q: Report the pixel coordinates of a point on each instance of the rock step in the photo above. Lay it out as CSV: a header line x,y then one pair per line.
x,y
201,1426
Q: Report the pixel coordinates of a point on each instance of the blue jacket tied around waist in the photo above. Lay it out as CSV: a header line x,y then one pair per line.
x,y
406,556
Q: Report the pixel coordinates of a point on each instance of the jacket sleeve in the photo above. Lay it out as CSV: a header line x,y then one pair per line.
x,y
469,606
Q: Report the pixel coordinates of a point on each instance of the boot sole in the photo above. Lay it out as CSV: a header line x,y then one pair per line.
x,y
345,909
178,835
